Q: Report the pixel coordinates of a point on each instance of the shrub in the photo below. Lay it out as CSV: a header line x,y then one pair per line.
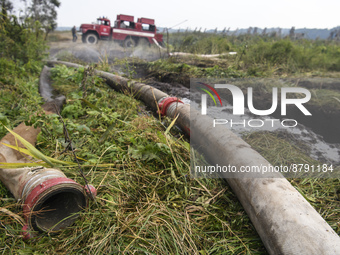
x,y
22,44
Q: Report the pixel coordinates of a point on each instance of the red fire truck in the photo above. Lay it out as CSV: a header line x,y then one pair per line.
x,y
125,31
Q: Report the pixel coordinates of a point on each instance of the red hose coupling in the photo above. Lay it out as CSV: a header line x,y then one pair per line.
x,y
90,190
26,233
164,104
54,205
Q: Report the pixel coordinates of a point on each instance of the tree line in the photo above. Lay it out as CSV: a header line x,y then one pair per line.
x,y
43,11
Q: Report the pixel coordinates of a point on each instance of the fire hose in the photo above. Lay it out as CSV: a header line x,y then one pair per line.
x,y
50,200
285,221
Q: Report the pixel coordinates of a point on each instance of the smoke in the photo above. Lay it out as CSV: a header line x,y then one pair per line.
x,y
149,53
103,51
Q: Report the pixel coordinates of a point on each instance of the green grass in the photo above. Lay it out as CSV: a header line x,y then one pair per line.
x,y
257,56
263,52
147,202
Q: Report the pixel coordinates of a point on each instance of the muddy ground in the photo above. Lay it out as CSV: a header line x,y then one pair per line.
x,y
324,122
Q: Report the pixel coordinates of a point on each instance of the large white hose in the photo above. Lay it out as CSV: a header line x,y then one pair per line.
x,y
285,221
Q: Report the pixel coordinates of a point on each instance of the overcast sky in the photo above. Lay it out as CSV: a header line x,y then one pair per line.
x,y
208,13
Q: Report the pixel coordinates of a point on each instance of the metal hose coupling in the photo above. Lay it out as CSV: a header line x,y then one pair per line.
x,y
168,106
51,201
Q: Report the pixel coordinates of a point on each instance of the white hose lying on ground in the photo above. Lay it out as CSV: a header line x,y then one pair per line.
x,y
285,221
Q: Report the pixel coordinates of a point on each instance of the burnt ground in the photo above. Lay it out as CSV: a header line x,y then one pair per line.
x,y
324,105
318,135
325,119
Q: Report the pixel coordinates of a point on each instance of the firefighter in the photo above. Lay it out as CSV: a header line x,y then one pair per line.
x,y
74,34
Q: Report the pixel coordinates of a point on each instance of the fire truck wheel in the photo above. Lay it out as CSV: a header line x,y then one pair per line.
x,y
143,42
91,39
129,42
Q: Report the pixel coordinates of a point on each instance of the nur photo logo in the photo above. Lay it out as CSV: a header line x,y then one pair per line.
x,y
294,96
204,97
